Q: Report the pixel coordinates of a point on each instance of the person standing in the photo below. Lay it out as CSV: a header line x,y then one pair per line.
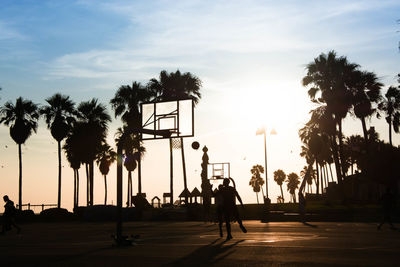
x,y
219,203
388,204
230,210
9,216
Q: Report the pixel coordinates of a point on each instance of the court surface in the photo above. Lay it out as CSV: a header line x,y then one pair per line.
x,y
199,244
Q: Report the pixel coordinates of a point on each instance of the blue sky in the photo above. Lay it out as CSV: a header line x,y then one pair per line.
x,y
250,55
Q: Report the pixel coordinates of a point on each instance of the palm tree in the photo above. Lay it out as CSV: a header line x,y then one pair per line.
x,y
354,150
72,149
133,152
293,182
23,118
93,121
256,180
319,138
279,178
104,159
330,79
390,105
175,86
59,114
366,91
126,103
308,175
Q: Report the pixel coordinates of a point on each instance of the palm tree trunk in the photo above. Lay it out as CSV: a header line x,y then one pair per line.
x,y
390,133
336,159
140,174
105,189
322,178
283,200
257,198
330,169
59,175
20,178
74,188
326,175
129,191
77,187
341,149
87,184
91,171
317,183
365,132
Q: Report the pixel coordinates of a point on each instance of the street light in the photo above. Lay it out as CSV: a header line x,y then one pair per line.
x,y
263,131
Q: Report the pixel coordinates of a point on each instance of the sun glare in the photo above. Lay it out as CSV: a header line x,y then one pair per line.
x,y
268,109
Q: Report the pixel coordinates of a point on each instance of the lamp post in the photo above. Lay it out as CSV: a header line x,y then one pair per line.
x,y
264,132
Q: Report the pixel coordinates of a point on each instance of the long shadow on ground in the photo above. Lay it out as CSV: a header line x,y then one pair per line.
x,y
208,254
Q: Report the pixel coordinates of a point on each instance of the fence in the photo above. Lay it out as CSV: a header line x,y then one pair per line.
x,y
29,205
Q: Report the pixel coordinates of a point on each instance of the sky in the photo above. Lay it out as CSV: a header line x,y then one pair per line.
x,y
249,55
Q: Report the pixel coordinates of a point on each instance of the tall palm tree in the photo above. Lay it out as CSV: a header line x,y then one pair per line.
x,y
330,79
175,86
319,138
72,149
23,118
293,182
126,103
308,175
279,178
104,159
59,115
366,91
93,120
133,152
256,180
390,105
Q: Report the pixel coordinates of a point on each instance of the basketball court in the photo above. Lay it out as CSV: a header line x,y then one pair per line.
x,y
198,244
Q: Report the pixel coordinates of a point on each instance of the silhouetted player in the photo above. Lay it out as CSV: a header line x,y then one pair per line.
x,y
219,202
229,195
9,216
388,203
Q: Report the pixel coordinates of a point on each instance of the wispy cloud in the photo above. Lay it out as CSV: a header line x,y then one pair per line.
x,y
7,32
214,34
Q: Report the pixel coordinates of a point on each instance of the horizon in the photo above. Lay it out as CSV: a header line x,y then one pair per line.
x,y
250,56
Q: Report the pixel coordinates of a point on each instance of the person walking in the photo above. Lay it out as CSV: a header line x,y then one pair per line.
x,y
230,210
9,216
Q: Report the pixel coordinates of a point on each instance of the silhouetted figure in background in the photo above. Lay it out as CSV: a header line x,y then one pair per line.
x,y
219,203
229,195
388,204
9,216
302,207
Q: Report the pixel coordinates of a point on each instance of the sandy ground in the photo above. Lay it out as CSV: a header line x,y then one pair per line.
x,y
198,244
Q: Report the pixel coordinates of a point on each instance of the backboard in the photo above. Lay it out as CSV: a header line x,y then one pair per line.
x,y
218,170
174,116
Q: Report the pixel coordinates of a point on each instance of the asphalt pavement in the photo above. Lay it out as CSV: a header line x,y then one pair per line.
x,y
199,244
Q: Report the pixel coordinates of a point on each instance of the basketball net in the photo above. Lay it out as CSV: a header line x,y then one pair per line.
x,y
176,143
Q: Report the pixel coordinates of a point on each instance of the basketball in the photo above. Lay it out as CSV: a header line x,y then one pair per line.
x,y
195,145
